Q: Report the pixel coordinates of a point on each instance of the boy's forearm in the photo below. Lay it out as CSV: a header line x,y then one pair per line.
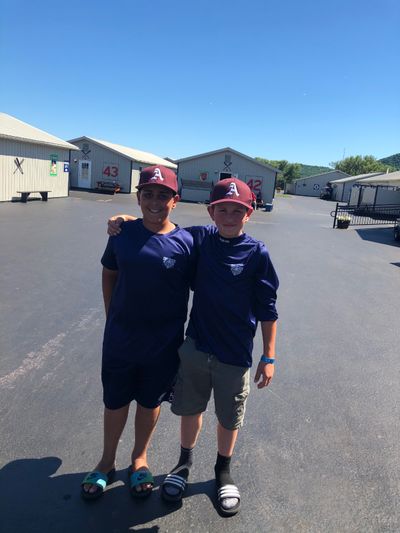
x,y
114,223
265,369
108,281
268,330
125,217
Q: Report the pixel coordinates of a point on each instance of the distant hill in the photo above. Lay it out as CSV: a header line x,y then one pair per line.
x,y
294,170
392,160
311,170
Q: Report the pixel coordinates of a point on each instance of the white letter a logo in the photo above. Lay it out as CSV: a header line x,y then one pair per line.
x,y
157,175
232,190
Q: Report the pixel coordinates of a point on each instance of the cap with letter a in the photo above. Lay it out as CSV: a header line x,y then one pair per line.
x,y
158,175
232,190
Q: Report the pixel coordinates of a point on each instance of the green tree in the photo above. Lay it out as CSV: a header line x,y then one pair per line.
x,y
292,172
288,171
359,164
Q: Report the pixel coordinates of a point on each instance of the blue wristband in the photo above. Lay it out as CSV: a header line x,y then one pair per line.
x,y
267,360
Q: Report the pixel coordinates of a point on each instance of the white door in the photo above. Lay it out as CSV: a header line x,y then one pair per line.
x,y
85,174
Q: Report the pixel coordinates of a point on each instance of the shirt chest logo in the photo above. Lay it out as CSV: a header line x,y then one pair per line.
x,y
237,269
168,262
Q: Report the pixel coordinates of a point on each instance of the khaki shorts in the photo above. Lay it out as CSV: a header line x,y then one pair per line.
x,y
200,373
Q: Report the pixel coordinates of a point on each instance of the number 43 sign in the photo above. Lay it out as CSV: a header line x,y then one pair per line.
x,y
111,171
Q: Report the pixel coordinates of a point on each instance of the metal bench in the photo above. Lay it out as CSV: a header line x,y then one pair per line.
x,y
108,186
25,195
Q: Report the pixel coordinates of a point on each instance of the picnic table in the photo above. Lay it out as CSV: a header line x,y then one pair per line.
x,y
109,186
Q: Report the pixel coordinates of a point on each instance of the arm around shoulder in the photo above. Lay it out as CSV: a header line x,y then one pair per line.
x,y
114,223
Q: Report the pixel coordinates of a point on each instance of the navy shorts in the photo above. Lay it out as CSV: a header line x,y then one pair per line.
x,y
149,382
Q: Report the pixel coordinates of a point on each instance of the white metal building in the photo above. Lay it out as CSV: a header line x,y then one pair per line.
x,y
31,160
198,174
341,189
379,190
104,161
313,185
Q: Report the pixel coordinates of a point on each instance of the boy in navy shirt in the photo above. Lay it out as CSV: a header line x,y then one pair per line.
x,y
145,280
235,287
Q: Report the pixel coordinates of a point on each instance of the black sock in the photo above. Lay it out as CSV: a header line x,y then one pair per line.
x,y
185,462
222,470
186,459
181,469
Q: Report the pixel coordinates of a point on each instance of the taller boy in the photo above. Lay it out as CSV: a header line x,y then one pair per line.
x,y
145,288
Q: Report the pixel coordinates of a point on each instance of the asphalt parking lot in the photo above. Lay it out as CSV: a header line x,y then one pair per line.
x,y
320,448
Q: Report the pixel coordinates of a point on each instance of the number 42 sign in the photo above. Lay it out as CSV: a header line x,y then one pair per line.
x,y
255,184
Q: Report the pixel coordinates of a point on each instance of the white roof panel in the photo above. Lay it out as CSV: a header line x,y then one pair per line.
x,y
326,174
392,178
14,129
228,149
356,178
131,153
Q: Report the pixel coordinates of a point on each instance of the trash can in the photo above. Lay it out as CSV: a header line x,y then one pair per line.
x,y
268,207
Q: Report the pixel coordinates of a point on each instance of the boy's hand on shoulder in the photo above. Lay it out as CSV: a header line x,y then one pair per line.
x,y
114,224
264,374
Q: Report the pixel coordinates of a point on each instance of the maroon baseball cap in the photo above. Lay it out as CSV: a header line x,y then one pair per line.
x,y
158,175
232,190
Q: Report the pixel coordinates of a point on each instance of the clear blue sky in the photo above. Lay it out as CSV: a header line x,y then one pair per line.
x,y
283,79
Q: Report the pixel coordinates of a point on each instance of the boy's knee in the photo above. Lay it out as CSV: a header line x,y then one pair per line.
x,y
230,423
230,408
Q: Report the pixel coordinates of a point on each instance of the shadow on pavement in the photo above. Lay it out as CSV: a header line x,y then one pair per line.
x,y
33,498
381,235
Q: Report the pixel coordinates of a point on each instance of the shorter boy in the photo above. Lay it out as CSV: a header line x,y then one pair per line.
x,y
235,287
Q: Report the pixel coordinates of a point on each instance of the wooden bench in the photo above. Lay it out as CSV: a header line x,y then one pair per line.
x,y
25,195
108,186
